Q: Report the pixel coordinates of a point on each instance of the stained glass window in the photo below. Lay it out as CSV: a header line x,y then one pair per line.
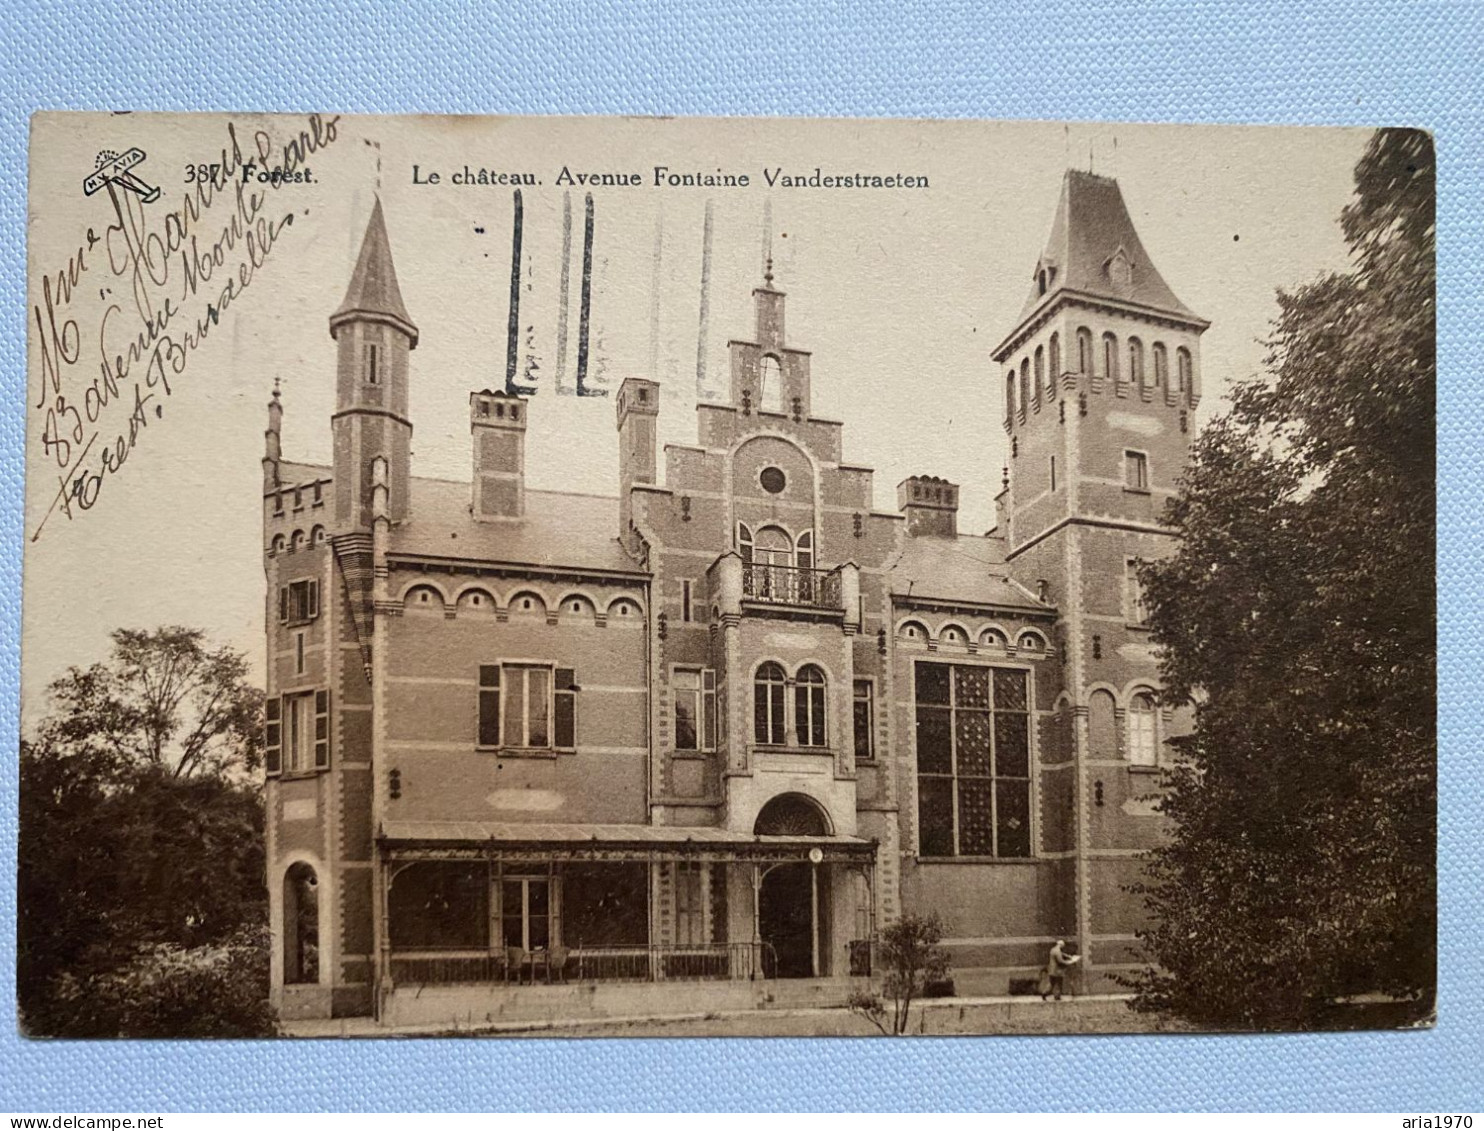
x,y
973,761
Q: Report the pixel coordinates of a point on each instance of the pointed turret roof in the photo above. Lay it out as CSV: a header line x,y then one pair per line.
x,y
1095,252
373,292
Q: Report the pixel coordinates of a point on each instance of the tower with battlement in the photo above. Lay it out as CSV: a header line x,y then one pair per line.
x,y
1101,378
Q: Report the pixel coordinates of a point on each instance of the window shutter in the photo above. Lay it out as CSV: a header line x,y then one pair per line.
x,y
313,599
273,735
283,604
321,730
708,709
565,732
489,705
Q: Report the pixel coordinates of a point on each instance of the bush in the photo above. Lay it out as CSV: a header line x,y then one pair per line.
x,y
169,991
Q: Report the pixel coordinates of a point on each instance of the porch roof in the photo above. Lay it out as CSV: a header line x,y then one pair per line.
x,y
568,839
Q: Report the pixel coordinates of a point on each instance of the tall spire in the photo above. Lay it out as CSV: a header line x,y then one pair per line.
x,y
273,441
373,294
1095,252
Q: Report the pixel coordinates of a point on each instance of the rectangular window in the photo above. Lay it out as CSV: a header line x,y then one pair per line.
x,y
690,918
525,913
695,708
527,706
299,732
373,377
1053,473
1135,608
298,602
973,761
298,653
865,720
685,613
1136,471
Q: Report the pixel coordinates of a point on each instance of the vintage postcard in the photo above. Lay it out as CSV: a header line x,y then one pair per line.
x,y
726,577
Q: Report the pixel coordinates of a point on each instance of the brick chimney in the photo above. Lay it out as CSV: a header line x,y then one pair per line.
x,y
930,505
497,424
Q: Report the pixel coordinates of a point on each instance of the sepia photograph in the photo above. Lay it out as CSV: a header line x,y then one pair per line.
x,y
681,577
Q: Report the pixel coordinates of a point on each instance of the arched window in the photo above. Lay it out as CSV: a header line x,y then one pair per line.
x,y
913,632
770,396
952,634
768,688
296,541
791,814
1110,357
1183,371
804,550
809,687
423,597
1161,366
1031,642
278,543
1084,350
300,925
1010,394
1142,748
744,541
1136,362
1040,370
1025,384
529,604
317,536
1053,371
772,546
992,638
1102,727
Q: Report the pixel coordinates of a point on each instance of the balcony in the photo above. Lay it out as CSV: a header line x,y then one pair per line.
x,y
792,585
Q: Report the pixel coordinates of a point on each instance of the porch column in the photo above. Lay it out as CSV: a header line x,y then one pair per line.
x,y
814,915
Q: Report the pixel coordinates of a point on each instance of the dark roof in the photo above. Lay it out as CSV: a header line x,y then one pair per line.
x,y
1092,224
959,570
559,530
373,290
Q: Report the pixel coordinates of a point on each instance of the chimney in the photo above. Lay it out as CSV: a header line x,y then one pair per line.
x,y
497,424
930,505
638,417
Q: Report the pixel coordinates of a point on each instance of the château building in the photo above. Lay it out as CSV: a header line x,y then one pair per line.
x,y
540,754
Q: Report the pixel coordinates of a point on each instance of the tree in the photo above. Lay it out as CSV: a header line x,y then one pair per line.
x,y
1299,616
914,961
163,699
141,841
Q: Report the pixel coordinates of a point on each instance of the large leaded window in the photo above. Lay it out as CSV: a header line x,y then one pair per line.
x,y
973,761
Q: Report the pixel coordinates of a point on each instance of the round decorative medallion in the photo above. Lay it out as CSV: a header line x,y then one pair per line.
x,y
773,480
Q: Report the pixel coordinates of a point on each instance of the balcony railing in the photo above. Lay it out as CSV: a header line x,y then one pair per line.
x,y
791,585
669,963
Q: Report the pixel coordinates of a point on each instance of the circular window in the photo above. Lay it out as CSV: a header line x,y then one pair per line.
x,y
773,480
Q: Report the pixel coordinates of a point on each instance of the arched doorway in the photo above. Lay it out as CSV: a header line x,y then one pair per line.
x,y
300,925
793,898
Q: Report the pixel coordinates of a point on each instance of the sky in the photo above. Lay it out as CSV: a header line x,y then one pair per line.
x,y
899,294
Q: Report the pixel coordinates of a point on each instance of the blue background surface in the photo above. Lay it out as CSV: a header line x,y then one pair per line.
x,y
1326,61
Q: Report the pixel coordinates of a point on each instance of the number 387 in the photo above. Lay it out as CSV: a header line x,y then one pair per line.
x,y
203,174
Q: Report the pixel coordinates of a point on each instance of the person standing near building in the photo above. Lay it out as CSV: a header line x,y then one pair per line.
x,y
1053,979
